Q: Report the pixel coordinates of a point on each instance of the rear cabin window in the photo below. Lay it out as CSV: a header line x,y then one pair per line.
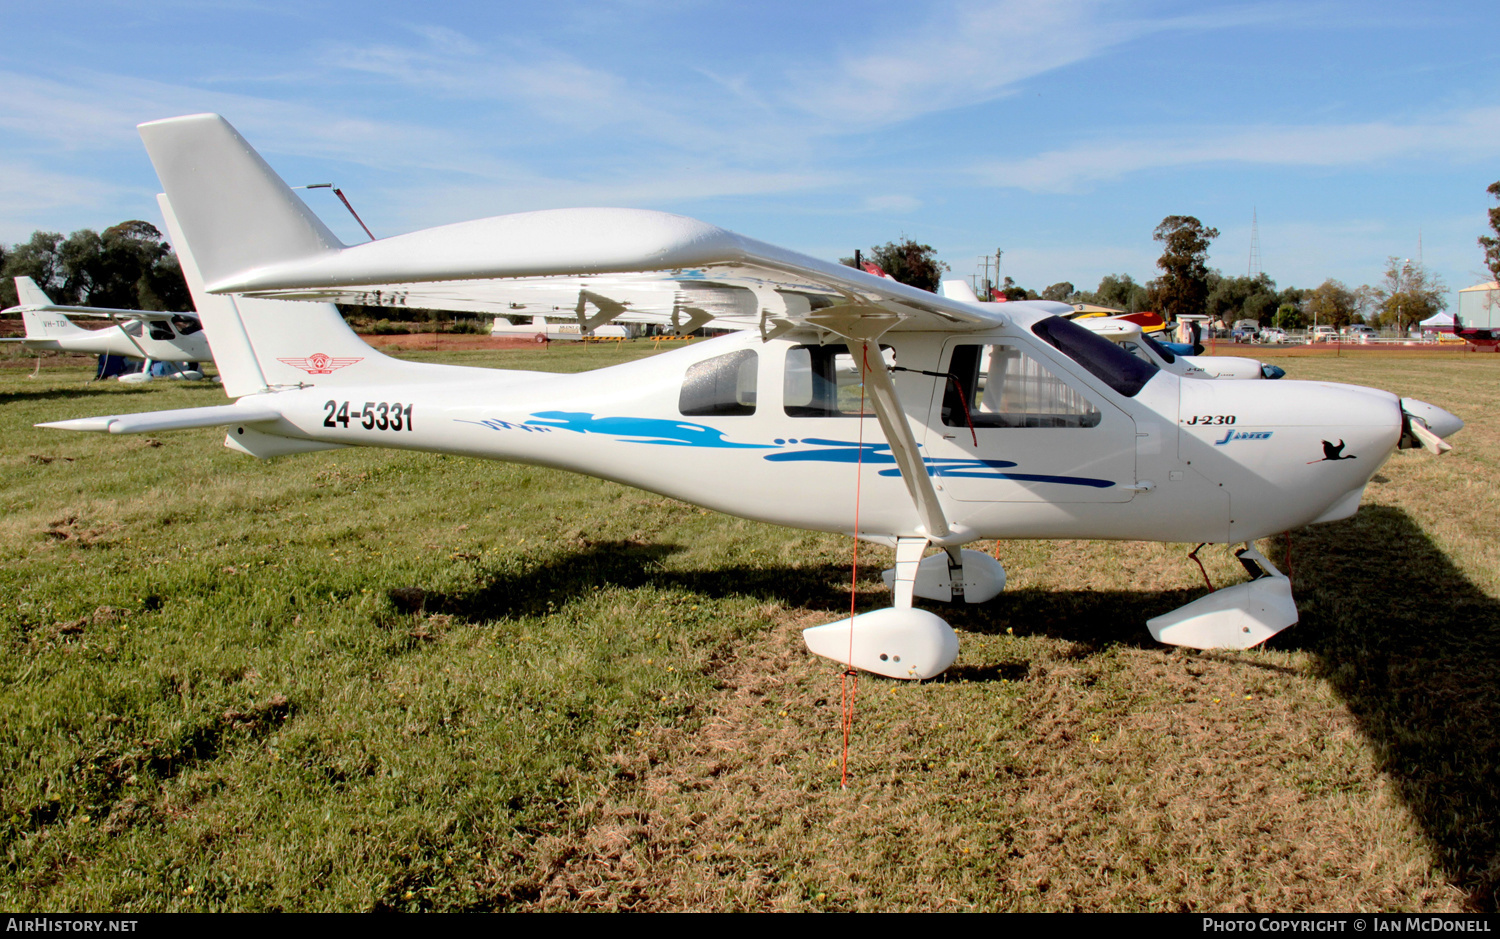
x,y
186,325
824,381
1002,386
723,386
1106,361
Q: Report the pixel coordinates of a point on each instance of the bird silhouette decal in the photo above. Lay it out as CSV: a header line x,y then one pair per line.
x,y
1333,451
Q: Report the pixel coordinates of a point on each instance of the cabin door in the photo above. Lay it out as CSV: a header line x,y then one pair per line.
x,y
1011,427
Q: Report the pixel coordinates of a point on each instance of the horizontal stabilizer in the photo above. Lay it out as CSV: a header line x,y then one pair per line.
x,y
181,419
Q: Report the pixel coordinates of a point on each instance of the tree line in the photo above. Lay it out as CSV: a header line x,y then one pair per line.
x,y
1407,293
127,267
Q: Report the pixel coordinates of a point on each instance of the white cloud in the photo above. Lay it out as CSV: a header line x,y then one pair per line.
x,y
968,53
27,192
1466,136
99,111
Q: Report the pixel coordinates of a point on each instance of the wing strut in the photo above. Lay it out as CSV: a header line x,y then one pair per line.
x,y
121,326
862,326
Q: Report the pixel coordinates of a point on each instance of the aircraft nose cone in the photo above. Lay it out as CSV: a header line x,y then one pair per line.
x,y
1438,421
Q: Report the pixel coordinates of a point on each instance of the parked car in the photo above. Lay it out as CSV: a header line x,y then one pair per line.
x,y
1359,332
1323,334
1272,334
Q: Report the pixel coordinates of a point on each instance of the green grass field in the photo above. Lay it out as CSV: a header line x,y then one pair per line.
x,y
365,680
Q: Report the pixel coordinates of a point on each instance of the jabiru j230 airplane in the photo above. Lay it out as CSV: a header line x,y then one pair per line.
x,y
136,334
1061,435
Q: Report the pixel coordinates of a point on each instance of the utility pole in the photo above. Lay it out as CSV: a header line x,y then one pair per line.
x,y
989,284
1254,269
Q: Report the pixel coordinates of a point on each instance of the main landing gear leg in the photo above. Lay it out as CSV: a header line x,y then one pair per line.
x,y
898,642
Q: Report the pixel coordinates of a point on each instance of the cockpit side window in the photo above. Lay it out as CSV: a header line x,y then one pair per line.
x,y
723,386
1106,361
1002,386
161,329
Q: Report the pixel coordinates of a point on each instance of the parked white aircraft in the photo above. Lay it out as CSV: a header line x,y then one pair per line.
x,y
543,331
1069,436
136,334
1132,339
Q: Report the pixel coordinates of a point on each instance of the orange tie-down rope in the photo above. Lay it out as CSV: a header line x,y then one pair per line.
x,y
849,681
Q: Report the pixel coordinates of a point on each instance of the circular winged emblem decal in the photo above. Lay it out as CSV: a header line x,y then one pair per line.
x,y
320,363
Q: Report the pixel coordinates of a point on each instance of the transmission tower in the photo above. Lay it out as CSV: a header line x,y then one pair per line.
x,y
1254,271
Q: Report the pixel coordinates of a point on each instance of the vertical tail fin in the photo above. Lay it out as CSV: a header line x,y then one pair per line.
x,y
45,322
231,206
260,344
29,294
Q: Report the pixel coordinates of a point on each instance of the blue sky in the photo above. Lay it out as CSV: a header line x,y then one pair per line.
x,y
1061,132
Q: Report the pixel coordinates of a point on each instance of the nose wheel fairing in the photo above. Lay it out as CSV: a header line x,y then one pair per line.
x,y
1237,617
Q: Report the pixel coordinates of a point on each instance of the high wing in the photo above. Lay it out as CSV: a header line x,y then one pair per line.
x,y
258,239
149,316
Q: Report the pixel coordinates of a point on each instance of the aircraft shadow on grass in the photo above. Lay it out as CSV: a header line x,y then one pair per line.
x,y
631,564
1416,657
69,394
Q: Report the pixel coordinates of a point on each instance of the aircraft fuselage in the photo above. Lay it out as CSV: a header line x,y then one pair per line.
x,y
770,431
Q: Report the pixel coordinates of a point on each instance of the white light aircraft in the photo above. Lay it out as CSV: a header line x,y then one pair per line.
x,y
136,334
1132,339
543,331
1128,332
1066,436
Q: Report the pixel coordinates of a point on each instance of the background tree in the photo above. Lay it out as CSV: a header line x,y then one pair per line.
x,y
1182,288
1013,291
1331,304
1118,292
129,266
1409,294
907,262
1491,243
36,259
1289,317
1236,298
1062,292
